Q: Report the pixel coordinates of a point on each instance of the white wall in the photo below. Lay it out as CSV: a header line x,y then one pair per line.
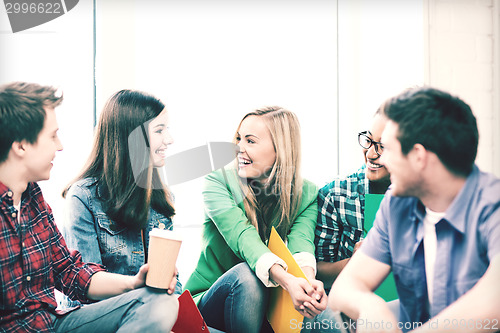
x,y
57,53
212,62
381,53
462,57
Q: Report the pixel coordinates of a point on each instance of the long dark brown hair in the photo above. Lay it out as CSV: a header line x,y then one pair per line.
x,y
126,196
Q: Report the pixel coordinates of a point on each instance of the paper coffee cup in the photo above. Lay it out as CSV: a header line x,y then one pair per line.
x,y
163,250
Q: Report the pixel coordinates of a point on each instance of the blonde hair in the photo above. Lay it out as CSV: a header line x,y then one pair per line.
x,y
285,181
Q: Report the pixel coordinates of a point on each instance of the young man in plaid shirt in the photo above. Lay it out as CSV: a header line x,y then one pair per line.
x,y
34,258
341,206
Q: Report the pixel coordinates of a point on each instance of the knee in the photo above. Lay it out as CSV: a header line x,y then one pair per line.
x,y
161,307
249,284
163,311
244,275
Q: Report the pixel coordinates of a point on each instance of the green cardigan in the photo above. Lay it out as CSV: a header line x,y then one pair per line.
x,y
229,238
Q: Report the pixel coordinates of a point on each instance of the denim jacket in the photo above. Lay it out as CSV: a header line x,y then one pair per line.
x,y
87,228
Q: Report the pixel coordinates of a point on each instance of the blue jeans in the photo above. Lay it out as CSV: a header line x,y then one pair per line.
x,y
322,323
144,309
236,302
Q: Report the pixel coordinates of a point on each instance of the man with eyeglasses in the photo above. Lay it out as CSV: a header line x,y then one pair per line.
x,y
341,215
341,205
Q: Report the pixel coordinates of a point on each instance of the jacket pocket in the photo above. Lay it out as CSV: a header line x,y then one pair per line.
x,y
111,236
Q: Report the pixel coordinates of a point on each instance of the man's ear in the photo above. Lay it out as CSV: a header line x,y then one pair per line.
x,y
18,148
418,156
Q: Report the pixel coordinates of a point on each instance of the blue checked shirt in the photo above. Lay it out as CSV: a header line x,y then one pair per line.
x,y
341,206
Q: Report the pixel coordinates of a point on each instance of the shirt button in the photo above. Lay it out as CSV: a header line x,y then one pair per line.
x,y
14,215
28,278
9,194
23,244
161,225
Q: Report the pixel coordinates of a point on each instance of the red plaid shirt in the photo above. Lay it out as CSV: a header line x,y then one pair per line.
x,y
34,260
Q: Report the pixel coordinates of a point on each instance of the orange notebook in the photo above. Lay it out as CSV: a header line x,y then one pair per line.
x,y
189,319
281,313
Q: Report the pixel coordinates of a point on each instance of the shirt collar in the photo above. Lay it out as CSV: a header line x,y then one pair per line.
x,y
4,194
3,189
455,214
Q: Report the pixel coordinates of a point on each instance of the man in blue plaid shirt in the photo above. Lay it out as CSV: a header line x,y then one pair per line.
x,y
341,206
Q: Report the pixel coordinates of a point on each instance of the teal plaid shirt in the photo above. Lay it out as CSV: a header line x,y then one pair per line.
x,y
341,206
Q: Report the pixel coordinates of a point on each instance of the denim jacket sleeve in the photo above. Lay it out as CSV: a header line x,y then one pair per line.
x,y
79,228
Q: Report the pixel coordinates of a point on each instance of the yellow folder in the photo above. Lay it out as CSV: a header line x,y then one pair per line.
x,y
281,313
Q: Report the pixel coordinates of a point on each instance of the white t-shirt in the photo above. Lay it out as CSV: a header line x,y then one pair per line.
x,y
430,247
18,208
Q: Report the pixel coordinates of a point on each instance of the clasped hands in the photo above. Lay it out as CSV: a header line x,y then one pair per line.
x,y
309,298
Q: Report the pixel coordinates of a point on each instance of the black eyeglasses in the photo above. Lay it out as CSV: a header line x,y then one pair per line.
x,y
366,142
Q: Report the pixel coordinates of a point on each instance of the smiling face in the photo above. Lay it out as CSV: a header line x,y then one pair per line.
x,y
375,170
159,138
404,177
39,155
257,155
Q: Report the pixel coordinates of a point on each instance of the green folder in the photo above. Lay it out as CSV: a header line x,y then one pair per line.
x,y
387,290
